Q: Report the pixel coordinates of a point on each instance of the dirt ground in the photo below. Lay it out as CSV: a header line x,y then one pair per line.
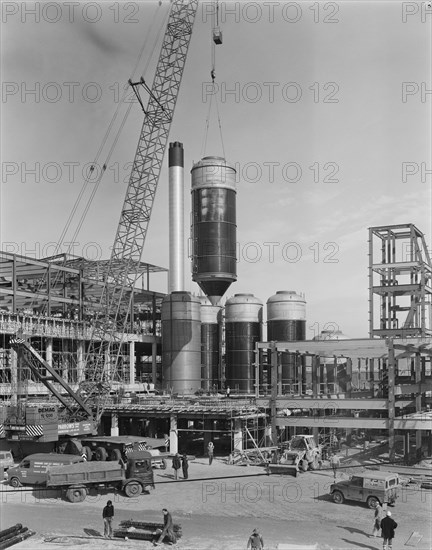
x,y
217,508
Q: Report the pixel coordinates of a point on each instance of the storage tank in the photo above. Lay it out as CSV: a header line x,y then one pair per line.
x,y
243,328
286,322
181,342
334,371
210,343
214,261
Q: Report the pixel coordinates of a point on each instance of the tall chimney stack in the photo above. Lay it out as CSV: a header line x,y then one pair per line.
x,y
176,217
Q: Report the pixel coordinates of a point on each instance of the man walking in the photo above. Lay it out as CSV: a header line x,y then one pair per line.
x,y
108,514
185,465
388,526
168,529
378,516
334,463
176,465
255,541
210,450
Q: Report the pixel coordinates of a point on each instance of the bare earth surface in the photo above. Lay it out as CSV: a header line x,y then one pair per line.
x,y
218,507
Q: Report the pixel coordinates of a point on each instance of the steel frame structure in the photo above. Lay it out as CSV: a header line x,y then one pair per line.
x,y
403,274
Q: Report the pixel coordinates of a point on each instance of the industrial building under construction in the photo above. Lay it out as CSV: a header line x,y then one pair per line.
x,y
87,347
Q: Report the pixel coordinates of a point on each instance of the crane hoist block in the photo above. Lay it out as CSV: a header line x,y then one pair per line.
x,y
217,36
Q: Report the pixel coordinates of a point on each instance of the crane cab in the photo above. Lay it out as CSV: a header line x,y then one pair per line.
x,y
217,36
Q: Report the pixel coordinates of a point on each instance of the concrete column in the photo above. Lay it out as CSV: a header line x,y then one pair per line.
x,y
349,375
173,434
80,361
131,362
48,351
154,355
114,424
315,375
238,435
14,376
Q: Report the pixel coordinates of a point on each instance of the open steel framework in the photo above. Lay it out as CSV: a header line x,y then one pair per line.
x,y
394,394
400,280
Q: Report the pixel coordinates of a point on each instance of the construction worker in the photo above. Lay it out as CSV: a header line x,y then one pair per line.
x,y
334,463
210,450
168,529
176,464
107,515
388,526
255,541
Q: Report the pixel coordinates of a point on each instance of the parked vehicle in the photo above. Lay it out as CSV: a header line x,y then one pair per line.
x,y
371,487
103,448
33,469
132,477
6,460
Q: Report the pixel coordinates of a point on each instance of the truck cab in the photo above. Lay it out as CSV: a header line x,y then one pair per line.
x,y
139,466
371,487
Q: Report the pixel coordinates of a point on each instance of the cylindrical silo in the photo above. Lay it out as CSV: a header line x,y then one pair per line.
x,y
333,370
210,343
181,342
214,262
243,328
286,322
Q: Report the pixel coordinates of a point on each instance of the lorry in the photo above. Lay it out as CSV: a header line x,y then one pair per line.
x,y
132,477
33,469
114,448
372,487
299,454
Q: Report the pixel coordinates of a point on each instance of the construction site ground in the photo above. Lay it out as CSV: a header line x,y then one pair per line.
x,y
218,506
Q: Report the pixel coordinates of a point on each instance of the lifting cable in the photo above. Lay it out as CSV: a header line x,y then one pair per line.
x,y
99,152
214,88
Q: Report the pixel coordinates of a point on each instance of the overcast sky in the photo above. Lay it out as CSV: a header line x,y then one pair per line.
x,y
323,106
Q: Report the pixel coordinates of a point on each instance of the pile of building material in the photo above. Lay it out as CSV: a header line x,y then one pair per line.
x,y
143,530
14,535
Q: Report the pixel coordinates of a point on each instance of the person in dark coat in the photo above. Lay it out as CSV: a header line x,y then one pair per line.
x,y
185,465
255,542
107,515
168,529
176,465
388,526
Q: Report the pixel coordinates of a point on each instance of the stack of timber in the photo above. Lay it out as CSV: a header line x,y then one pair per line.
x,y
14,535
143,530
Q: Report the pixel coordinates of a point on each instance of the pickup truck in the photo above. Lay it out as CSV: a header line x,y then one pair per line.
x,y
132,477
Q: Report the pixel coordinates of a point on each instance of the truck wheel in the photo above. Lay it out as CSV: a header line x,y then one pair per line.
x,y
101,454
76,494
338,497
115,455
163,464
88,453
314,465
304,465
372,502
15,482
133,489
